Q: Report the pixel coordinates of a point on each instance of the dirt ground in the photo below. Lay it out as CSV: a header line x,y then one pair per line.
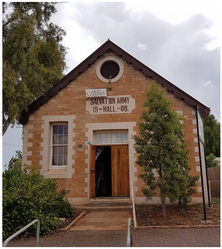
x,y
150,215
76,213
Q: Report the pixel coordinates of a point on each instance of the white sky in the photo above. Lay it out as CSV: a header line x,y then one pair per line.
x,y
174,12
142,29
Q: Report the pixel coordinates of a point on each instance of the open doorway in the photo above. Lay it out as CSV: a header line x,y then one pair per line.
x,y
103,175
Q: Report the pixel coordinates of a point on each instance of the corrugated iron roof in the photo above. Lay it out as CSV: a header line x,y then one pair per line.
x,y
110,46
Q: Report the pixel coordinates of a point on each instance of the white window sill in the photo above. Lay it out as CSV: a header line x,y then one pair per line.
x,y
59,167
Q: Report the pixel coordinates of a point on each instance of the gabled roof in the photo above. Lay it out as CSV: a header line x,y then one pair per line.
x,y
110,46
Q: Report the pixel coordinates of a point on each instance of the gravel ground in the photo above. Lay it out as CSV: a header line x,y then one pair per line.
x,y
175,237
149,237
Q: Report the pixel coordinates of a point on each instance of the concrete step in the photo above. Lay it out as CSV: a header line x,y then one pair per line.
x,y
108,208
109,204
105,204
103,208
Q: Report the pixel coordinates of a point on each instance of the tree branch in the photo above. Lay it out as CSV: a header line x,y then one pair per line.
x,y
5,126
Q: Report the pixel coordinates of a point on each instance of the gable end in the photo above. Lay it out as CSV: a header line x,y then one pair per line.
x,y
106,47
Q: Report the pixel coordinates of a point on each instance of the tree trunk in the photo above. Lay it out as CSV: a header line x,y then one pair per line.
x,y
163,197
163,201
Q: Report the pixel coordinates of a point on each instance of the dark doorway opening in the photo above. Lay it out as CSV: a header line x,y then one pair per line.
x,y
103,172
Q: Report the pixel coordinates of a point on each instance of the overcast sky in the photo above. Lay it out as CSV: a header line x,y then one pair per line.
x,y
177,39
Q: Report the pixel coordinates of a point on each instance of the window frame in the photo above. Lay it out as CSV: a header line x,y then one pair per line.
x,y
51,145
45,162
110,131
115,59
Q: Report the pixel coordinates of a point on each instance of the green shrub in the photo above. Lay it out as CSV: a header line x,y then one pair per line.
x,y
211,161
30,196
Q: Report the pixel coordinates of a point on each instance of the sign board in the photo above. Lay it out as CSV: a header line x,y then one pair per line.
x,y
202,158
96,92
110,105
200,127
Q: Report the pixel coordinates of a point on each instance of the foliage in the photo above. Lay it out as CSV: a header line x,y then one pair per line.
x,y
212,135
162,151
33,57
211,161
16,161
29,196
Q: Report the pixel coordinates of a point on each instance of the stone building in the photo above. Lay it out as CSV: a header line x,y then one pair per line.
x,y
80,131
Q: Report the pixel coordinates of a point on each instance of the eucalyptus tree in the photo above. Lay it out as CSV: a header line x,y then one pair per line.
x,y
33,56
212,135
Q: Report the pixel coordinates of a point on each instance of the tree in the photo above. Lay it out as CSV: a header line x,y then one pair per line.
x,y
211,161
16,161
33,56
162,151
212,135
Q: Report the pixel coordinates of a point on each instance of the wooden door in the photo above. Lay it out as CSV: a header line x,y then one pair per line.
x,y
92,170
120,171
